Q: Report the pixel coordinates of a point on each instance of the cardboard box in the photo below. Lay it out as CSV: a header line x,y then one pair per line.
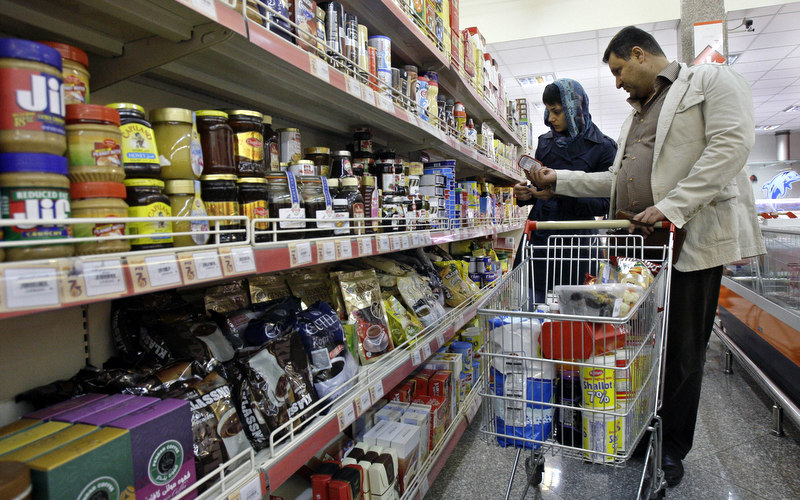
x,y
94,466
26,437
103,417
84,411
421,422
49,443
371,436
162,449
392,415
384,438
442,386
18,426
437,415
406,443
64,406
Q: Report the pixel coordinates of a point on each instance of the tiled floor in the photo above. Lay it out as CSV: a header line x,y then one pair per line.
x,y
734,455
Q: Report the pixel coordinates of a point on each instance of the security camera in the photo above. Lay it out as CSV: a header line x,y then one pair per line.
x,y
748,25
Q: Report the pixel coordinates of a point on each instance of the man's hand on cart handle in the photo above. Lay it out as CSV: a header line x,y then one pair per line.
x,y
646,220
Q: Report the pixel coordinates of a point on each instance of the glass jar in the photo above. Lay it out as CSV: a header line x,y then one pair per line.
x,y
361,164
318,205
139,147
291,148
248,139
341,166
75,73
216,140
321,158
387,177
185,201
253,203
393,214
99,199
400,185
363,142
333,187
348,207
415,172
146,199
173,130
369,193
286,204
303,168
272,158
93,140
221,198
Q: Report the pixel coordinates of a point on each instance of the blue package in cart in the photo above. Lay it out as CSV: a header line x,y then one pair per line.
x,y
521,416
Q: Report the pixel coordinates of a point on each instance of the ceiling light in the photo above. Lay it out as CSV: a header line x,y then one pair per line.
x,y
539,106
767,127
533,80
792,109
732,58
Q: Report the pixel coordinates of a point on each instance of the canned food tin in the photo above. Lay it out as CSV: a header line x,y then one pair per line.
x,y
291,147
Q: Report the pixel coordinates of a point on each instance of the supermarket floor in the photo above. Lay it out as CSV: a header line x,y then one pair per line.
x,y
734,455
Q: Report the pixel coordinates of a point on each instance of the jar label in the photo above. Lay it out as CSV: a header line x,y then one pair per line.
x,y
325,214
154,231
293,192
347,168
258,209
388,183
199,226
342,215
196,153
274,157
326,192
99,230
76,89
101,153
138,144
250,145
289,218
34,203
222,208
365,146
31,100
358,215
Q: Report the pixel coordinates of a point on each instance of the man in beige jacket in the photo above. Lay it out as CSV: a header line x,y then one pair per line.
x,y
681,158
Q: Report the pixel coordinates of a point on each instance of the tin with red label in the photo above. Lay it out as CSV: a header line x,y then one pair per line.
x,y
31,98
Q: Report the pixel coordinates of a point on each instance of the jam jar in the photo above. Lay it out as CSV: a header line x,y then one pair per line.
x,y
216,140
99,199
272,157
286,204
303,168
253,203
174,130
248,139
348,207
185,201
341,166
319,204
321,158
146,199
93,143
139,148
372,209
333,187
221,198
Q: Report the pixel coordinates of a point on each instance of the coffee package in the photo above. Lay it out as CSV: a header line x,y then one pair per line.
x,y
267,287
362,297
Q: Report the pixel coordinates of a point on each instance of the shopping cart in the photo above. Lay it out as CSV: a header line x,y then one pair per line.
x,y
578,384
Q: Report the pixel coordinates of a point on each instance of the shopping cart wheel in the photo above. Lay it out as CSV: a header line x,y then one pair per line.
x,y
535,473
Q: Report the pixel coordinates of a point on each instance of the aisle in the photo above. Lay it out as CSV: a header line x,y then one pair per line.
x,y
734,456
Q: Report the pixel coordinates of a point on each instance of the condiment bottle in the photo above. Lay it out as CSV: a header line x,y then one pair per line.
x,y
303,167
185,201
221,198
75,73
369,193
216,139
363,142
341,165
349,206
173,129
94,144
146,199
253,203
248,138
399,177
286,204
139,147
272,158
99,199
318,204
321,158
333,186
387,177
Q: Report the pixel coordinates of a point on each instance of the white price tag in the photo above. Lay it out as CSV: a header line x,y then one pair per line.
x,y
346,416
385,103
423,486
416,358
368,94
251,490
377,390
300,253
326,251
365,246
396,244
426,351
353,86
243,259
383,244
163,270
415,239
206,265
345,249
473,408
363,402
428,241
319,68
404,243
440,339
207,7
31,287
103,277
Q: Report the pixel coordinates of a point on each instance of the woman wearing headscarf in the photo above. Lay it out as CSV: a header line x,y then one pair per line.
x,y
573,143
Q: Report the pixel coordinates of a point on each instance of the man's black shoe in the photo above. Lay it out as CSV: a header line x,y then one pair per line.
x,y
673,470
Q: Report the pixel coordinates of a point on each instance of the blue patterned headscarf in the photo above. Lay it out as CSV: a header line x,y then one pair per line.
x,y
575,104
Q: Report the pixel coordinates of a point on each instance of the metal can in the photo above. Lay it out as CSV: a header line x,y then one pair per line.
x,y
291,148
363,52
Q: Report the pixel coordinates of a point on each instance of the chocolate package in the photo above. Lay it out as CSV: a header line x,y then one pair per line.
x,y
276,319
227,298
310,287
362,297
419,298
267,287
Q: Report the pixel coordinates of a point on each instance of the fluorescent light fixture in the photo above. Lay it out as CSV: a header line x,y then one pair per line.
x,y
792,109
539,106
732,58
533,80
767,127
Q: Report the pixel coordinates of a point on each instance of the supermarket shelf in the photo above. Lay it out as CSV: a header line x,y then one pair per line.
x,y
236,478
283,460
28,287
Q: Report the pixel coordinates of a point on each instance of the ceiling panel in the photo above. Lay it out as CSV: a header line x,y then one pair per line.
x,y
571,37
774,54
779,39
530,68
577,62
570,49
518,44
524,55
774,83
786,21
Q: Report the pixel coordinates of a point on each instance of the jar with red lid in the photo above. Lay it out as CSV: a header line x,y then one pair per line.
x,y
216,141
94,143
248,140
75,72
99,199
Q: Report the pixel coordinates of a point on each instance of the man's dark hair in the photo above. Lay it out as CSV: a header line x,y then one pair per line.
x,y
551,95
628,38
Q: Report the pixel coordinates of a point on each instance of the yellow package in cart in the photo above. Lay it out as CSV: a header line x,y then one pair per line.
x,y
601,433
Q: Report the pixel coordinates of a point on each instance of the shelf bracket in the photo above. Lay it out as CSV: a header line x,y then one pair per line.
x,y
140,56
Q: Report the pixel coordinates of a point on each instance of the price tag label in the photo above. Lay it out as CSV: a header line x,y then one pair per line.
x,y
423,486
376,391
405,244
396,244
353,86
473,409
31,287
103,277
344,249
416,358
364,247
163,270
410,117
207,266
251,490
385,103
415,240
346,416
237,260
326,251
368,95
300,254
319,68
426,351
363,402
440,339
428,241
383,244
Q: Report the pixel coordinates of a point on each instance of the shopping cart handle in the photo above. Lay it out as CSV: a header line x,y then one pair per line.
x,y
534,225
